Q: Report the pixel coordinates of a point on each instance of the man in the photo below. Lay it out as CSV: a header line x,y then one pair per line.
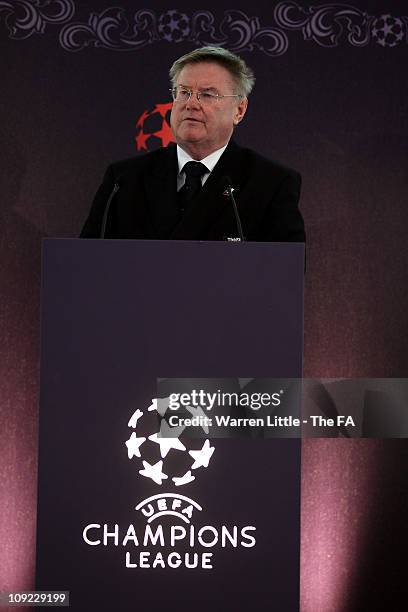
x,y
180,193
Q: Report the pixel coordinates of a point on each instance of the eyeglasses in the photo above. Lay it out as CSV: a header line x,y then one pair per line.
x,y
206,98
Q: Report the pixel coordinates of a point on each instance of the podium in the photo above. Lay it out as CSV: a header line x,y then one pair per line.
x,y
118,527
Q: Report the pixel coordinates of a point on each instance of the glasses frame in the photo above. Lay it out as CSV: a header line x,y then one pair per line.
x,y
198,94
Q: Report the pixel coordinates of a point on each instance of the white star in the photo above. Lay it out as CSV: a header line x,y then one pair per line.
x,y
185,479
134,418
133,445
203,456
153,471
161,404
167,437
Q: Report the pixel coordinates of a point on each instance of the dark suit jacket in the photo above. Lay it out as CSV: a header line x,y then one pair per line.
x,y
145,206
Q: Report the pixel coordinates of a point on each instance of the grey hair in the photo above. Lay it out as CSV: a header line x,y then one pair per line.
x,y
241,73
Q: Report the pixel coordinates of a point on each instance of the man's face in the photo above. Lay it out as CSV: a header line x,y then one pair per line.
x,y
201,128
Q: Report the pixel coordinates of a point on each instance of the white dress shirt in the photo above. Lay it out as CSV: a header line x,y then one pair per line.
x,y
209,162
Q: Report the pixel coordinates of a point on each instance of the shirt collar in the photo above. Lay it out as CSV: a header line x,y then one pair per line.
x,y
209,161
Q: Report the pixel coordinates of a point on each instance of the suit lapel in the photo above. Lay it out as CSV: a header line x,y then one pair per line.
x,y
211,203
161,190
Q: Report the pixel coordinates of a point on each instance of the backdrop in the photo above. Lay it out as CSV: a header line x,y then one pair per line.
x,y
85,83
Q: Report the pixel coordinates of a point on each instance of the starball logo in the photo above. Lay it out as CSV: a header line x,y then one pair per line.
x,y
153,128
168,439
168,533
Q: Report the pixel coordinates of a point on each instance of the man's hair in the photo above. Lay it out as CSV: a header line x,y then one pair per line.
x,y
240,72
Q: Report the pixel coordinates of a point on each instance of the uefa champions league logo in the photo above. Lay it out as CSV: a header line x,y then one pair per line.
x,y
167,440
165,536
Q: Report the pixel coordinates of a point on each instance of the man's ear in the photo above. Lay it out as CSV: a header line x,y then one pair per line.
x,y
240,110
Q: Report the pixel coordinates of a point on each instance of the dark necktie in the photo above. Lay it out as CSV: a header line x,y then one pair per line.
x,y
193,171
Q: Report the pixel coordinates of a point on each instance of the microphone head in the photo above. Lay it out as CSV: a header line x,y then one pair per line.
x,y
226,185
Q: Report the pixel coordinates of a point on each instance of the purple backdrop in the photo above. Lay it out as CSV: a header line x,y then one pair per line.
x,y
82,82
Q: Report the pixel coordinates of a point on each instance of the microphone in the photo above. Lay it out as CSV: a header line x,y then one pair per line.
x,y
229,189
106,211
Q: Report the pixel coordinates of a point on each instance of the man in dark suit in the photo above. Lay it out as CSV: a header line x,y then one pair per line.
x,y
180,192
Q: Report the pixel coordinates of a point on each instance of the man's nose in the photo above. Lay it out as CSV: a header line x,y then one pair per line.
x,y
193,102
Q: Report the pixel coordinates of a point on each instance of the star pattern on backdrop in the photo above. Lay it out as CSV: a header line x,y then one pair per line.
x,y
166,134
163,109
142,118
141,140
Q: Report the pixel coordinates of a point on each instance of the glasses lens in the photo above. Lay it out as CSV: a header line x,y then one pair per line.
x,y
181,94
207,98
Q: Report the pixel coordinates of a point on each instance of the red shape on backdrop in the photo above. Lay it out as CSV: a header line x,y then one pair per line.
x,y
153,128
166,134
163,109
142,118
141,140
